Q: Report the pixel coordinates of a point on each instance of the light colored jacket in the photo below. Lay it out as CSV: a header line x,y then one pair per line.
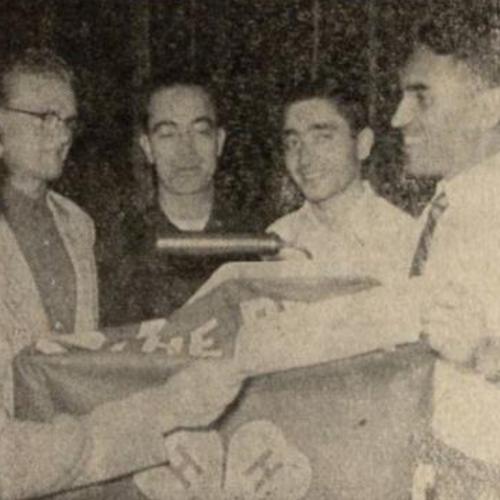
x,y
114,439
26,319
23,319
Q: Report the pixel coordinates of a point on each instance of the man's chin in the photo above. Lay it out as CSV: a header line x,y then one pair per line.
x,y
190,190
311,190
319,191
421,171
51,172
418,165
54,173
315,197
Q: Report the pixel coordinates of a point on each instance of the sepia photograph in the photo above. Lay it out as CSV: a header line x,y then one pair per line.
x,y
249,249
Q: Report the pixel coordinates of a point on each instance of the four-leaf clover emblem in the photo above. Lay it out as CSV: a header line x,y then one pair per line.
x,y
259,464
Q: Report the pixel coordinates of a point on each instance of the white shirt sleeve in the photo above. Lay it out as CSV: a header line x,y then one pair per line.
x,y
302,334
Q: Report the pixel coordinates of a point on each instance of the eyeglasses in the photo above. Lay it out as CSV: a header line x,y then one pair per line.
x,y
50,120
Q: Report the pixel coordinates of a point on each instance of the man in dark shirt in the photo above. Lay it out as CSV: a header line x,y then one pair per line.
x,y
183,140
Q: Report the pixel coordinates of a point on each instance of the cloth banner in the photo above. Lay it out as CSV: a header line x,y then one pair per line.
x,y
342,429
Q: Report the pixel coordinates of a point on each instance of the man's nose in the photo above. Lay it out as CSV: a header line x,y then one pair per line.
x,y
61,133
304,155
187,148
404,113
67,133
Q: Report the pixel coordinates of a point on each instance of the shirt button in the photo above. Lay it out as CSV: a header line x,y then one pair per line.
x,y
58,326
52,281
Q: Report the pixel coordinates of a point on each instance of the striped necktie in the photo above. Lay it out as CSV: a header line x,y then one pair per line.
x,y
438,206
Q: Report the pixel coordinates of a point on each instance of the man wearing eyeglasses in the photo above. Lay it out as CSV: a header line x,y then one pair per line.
x,y
47,242
48,284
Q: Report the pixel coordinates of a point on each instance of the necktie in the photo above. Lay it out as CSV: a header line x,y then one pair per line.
x,y
437,209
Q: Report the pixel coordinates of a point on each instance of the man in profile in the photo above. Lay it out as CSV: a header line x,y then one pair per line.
x,y
449,116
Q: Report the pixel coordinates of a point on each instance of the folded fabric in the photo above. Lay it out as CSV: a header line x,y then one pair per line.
x,y
465,412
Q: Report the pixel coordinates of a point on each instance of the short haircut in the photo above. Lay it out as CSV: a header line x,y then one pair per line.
x,y
34,61
347,100
158,84
469,32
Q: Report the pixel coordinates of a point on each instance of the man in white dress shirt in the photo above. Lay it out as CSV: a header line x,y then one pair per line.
x,y
342,222
449,116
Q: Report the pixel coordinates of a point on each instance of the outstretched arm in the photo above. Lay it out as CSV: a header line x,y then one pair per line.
x,y
117,438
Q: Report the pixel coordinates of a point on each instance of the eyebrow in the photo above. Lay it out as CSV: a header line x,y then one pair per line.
x,y
205,120
288,132
314,127
416,87
324,126
170,123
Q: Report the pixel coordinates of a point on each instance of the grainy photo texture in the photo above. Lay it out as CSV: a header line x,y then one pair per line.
x,y
249,249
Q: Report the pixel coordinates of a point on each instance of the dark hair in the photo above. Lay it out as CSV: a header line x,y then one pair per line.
x,y
346,99
157,84
467,31
38,61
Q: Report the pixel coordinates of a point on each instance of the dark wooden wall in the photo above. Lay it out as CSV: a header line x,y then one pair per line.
x,y
252,49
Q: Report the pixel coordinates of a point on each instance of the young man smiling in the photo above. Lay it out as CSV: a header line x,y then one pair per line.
x,y
342,222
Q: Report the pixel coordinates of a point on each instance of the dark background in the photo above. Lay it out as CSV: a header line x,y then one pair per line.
x,y
252,49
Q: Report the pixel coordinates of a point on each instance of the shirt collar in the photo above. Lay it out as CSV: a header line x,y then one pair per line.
x,y
472,184
16,201
348,208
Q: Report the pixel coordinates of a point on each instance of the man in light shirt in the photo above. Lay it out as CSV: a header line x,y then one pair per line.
x,y
342,222
449,116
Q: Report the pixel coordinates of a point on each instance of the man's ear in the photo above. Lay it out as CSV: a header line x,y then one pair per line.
x,y
484,110
364,143
146,147
221,139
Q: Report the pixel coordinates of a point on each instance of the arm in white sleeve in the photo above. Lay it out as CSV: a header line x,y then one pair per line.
x,y
340,327
116,439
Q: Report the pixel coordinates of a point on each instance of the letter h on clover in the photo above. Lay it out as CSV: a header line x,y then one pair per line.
x,y
259,464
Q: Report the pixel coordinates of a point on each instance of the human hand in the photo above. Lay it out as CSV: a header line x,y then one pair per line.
x,y
487,358
454,322
201,392
292,252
